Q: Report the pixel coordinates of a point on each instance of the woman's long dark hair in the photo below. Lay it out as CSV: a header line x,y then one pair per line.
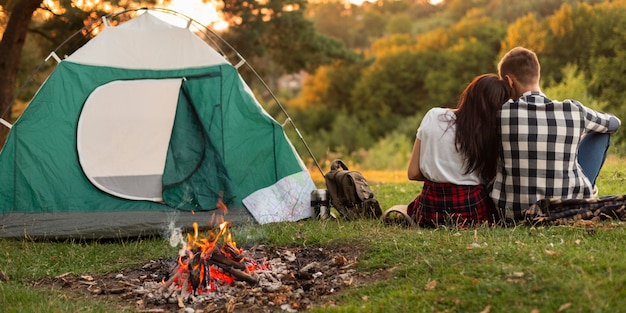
x,y
477,124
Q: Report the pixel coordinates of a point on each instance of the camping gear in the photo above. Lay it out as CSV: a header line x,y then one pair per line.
x,y
556,211
144,128
350,193
320,203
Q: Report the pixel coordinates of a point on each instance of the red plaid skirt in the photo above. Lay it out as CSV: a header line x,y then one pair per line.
x,y
452,205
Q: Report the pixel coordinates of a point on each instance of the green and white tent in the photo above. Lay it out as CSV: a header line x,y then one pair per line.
x,y
145,127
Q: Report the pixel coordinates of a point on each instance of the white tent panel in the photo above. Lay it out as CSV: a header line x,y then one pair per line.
x,y
123,136
136,45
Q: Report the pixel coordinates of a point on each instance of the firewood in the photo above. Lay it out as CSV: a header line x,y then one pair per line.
x,y
241,276
234,254
195,266
223,261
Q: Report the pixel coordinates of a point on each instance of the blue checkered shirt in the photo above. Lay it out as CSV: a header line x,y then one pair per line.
x,y
539,151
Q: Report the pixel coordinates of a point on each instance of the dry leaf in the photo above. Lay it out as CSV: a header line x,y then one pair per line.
x,y
339,260
430,285
518,274
487,309
584,223
279,299
577,241
565,306
550,252
86,277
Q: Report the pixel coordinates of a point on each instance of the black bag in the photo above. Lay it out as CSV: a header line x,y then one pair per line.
x,y
350,194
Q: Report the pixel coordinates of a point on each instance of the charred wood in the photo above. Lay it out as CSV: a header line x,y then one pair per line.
x,y
217,258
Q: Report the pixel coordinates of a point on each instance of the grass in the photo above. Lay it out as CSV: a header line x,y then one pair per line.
x,y
516,269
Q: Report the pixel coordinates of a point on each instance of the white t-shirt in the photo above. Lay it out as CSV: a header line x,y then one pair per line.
x,y
439,160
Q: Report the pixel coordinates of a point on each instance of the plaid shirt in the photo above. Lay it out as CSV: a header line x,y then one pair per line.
x,y
539,151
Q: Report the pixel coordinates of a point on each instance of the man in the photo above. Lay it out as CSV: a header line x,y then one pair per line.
x,y
550,149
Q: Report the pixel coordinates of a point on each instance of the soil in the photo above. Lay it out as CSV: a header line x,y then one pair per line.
x,y
300,278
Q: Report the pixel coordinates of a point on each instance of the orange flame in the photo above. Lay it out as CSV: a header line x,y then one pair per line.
x,y
199,256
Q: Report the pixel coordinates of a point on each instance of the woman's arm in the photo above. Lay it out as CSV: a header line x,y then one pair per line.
x,y
414,171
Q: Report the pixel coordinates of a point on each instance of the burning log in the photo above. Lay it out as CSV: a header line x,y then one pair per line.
x,y
241,276
219,259
196,269
231,251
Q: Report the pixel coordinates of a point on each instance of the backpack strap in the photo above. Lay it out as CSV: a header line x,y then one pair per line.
x,y
337,164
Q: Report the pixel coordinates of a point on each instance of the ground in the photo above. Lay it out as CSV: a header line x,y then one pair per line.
x,y
300,278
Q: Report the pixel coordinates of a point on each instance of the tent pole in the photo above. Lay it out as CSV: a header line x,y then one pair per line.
x,y
284,111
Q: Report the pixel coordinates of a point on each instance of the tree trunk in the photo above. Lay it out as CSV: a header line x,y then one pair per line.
x,y
11,52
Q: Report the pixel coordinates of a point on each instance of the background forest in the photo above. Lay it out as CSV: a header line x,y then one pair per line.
x,y
364,75
415,56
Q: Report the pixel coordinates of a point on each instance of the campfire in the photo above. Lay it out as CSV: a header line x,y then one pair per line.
x,y
211,274
205,264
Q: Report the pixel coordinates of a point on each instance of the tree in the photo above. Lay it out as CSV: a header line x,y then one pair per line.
x,y
336,20
393,87
11,45
568,27
400,24
526,31
279,28
574,86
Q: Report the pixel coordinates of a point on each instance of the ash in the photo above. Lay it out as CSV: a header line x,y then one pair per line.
x,y
294,279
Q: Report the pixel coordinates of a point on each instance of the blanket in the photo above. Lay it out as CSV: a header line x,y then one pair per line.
x,y
569,211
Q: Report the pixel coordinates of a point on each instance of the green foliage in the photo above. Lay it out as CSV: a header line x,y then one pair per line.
x,y
526,31
390,153
343,137
574,86
339,21
281,30
400,24
393,87
507,10
457,9
346,135
569,26
374,25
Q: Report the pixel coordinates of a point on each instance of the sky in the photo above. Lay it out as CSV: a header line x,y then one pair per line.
x,y
205,13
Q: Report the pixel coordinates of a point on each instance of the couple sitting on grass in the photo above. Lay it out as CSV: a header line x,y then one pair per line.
x,y
505,147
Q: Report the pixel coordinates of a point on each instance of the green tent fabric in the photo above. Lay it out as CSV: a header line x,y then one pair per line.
x,y
101,152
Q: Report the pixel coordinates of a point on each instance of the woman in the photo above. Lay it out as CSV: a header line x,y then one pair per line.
x,y
455,153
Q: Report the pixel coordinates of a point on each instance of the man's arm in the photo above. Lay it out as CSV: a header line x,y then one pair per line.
x,y
599,122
